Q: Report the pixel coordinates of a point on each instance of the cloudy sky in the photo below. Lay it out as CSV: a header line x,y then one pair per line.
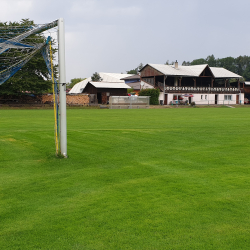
x,y
117,35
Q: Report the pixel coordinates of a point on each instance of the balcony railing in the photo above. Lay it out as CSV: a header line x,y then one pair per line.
x,y
200,89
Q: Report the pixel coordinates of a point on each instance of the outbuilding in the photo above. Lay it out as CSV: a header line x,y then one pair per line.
x,y
99,92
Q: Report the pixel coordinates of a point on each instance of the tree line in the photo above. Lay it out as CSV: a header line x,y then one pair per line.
x,y
239,65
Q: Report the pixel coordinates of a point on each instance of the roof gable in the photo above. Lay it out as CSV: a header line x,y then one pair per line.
x,y
207,72
149,70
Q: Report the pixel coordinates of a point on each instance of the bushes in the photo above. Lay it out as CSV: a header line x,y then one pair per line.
x,y
153,93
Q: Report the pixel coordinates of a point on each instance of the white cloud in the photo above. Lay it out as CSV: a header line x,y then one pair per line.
x,y
14,10
116,35
91,11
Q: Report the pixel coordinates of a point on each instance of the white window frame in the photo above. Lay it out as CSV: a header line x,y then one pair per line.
x,y
228,98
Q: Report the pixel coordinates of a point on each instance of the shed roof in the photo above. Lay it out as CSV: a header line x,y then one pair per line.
x,y
140,85
106,77
131,77
110,85
223,73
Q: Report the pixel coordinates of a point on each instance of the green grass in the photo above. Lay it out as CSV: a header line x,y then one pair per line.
x,y
134,179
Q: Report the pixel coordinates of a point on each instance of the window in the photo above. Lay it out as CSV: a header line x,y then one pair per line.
x,y
149,80
205,97
201,97
228,97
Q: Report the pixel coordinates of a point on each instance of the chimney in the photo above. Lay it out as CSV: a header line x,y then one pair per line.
x,y
176,64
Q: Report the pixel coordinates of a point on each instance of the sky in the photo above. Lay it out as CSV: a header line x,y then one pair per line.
x,y
115,36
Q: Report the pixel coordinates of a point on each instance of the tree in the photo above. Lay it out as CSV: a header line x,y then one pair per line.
x,y
136,70
33,76
227,63
96,77
132,71
74,81
167,63
140,67
186,63
198,61
246,73
211,61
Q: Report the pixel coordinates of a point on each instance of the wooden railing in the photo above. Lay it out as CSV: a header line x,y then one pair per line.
x,y
200,89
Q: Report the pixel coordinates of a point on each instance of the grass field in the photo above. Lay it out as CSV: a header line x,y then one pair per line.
x,y
134,179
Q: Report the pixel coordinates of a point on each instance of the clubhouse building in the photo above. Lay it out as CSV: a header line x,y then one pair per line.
x,y
198,83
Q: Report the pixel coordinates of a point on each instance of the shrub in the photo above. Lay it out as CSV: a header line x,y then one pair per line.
x,y
153,93
192,103
130,90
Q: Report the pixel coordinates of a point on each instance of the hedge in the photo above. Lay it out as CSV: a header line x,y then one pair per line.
x,y
153,93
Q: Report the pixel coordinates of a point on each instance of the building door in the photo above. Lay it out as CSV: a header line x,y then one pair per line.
x,y
237,99
104,98
99,98
166,99
216,99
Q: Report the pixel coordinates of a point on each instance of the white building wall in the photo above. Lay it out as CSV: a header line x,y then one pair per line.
x,y
207,99
222,101
241,98
161,97
170,98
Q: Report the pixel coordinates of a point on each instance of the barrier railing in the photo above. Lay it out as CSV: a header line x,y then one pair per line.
x,y
201,89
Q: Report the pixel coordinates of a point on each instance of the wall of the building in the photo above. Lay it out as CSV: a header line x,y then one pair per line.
x,y
205,99
161,96
112,91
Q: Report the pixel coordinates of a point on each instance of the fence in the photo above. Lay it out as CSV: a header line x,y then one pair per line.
x,y
129,102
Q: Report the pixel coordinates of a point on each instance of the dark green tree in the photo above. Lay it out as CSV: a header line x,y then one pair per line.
x,y
74,81
246,73
168,63
136,70
211,61
140,66
96,77
186,63
198,61
132,71
241,63
227,63
32,77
